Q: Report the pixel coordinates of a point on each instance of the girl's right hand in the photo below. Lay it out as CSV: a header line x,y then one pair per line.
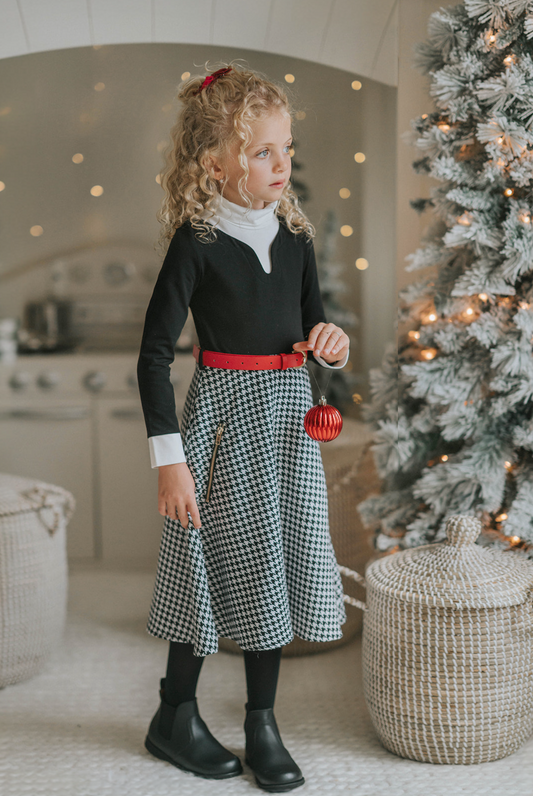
x,y
176,495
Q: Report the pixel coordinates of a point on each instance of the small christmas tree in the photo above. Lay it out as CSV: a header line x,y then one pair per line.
x,y
340,383
452,408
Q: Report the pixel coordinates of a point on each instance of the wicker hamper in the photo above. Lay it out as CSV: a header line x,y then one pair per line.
x,y
448,649
33,573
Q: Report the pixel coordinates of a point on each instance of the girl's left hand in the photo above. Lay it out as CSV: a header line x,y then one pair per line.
x,y
327,341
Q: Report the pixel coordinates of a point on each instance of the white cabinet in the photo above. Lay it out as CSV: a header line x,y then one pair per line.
x,y
51,440
84,430
130,524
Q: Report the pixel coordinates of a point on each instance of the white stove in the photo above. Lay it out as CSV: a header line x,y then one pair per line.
x,y
75,419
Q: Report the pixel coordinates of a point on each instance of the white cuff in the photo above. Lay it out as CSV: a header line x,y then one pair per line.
x,y
339,364
166,449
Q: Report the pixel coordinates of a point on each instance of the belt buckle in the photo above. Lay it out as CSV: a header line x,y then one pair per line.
x,y
304,354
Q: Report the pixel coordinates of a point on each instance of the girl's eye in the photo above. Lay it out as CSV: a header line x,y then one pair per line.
x,y
265,151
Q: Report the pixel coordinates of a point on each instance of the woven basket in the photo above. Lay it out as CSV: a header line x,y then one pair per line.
x,y
350,476
447,649
33,573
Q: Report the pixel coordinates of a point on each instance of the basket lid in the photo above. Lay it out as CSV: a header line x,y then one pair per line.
x,y
19,495
457,573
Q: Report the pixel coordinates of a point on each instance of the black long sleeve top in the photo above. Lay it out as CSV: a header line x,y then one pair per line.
x,y
237,307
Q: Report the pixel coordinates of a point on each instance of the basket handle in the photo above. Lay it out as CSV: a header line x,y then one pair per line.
x,y
351,573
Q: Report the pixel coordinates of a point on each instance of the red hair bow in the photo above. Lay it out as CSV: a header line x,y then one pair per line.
x,y
211,78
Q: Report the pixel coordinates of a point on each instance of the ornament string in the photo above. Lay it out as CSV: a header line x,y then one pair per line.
x,y
321,391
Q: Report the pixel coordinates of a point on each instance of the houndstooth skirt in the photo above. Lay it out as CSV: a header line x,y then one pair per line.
x,y
262,567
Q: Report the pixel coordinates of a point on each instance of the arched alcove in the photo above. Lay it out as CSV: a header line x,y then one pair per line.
x,y
358,36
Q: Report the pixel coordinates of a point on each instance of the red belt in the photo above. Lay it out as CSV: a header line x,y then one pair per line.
x,y
216,359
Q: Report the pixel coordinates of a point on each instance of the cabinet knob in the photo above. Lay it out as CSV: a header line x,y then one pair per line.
x,y
95,380
48,379
20,379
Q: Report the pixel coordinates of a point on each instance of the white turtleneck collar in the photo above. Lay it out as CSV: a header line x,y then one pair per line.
x,y
257,228
245,216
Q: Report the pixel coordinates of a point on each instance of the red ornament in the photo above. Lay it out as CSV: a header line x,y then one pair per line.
x,y
323,422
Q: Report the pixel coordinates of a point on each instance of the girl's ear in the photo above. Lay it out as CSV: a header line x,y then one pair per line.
x,y
214,168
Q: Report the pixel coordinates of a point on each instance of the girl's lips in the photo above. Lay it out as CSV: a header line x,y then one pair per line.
x,y
277,184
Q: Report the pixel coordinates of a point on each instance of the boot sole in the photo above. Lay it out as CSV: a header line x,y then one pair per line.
x,y
157,752
277,788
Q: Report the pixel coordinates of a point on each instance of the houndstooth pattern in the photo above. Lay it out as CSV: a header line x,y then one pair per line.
x,y
262,567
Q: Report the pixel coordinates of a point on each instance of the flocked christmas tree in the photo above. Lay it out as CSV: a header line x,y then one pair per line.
x,y
452,407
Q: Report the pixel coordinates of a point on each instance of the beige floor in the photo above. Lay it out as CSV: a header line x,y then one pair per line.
x,y
77,729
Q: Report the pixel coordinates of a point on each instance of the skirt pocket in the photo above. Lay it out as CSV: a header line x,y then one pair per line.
x,y
218,439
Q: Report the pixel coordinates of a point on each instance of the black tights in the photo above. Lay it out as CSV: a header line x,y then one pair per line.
x,y
183,670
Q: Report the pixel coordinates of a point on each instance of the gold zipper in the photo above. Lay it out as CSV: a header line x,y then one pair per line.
x,y
218,438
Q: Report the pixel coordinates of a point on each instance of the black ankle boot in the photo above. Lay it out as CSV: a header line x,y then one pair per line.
x,y
274,768
181,737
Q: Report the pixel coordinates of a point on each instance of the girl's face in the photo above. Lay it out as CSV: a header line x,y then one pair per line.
x,y
268,160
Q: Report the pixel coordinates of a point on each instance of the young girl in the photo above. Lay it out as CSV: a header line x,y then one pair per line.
x,y
245,552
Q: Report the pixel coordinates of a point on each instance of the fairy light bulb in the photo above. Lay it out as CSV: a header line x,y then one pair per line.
x,y
432,316
465,220
424,116
428,353
444,458
524,216
515,539
509,60
500,139
483,296
508,192
444,127
469,311
508,465
501,517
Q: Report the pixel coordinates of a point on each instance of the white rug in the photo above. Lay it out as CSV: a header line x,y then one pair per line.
x,y
77,729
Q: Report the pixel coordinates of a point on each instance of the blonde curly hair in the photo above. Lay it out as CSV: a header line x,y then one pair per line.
x,y
210,123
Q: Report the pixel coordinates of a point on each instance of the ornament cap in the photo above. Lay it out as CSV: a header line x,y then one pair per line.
x,y
322,400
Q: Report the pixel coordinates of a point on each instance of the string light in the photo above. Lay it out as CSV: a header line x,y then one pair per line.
x,y
483,296
508,192
501,517
356,85
344,193
428,353
524,216
290,78
361,264
300,115
97,190
444,127
99,87
509,60
469,311
291,152
158,179
424,116
77,158
36,231
414,335
185,75
2,185
359,157
346,230
465,220
444,458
